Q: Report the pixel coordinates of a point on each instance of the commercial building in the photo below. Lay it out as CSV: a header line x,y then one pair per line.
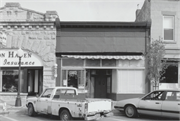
x,y
164,16
35,33
103,59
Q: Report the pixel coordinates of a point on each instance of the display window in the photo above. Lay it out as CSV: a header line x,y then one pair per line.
x,y
74,78
10,80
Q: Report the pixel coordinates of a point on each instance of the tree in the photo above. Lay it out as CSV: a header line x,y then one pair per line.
x,y
156,63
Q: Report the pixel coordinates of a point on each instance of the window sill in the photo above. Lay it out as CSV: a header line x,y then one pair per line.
x,y
169,42
12,94
82,91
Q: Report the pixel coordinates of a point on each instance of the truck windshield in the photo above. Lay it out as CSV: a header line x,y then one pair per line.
x,y
47,93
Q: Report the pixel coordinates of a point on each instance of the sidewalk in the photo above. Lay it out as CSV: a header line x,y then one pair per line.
x,y
5,107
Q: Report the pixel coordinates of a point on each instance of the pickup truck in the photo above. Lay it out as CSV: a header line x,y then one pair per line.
x,y
67,104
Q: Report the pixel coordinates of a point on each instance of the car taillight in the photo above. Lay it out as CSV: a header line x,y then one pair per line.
x,y
112,105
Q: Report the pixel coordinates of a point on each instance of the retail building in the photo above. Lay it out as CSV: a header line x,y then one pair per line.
x,y
164,16
103,59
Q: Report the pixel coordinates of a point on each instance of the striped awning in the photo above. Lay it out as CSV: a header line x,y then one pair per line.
x,y
128,57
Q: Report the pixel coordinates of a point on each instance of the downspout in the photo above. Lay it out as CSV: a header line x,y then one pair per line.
x,y
147,44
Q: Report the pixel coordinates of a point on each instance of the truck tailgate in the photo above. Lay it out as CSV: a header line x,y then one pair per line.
x,y
99,105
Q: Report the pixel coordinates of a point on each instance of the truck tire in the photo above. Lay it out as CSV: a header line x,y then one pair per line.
x,y
65,115
130,111
31,111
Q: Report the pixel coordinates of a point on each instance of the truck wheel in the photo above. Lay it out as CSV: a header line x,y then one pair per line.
x,y
65,115
130,111
31,111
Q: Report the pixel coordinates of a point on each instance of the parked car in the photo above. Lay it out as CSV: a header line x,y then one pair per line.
x,y
165,103
67,104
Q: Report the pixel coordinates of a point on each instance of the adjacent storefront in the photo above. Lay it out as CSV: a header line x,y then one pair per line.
x,y
35,34
103,59
31,72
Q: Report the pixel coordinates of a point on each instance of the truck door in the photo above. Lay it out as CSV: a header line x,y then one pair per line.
x,y
43,101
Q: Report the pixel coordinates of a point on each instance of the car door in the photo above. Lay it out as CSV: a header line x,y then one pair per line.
x,y
151,104
43,101
171,104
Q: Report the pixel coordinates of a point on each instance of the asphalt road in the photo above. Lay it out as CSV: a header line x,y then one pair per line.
x,y
21,115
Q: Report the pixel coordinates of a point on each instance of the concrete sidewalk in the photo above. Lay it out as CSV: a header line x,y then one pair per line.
x,y
6,106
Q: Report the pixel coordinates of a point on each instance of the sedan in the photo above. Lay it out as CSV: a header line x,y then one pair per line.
x,y
165,103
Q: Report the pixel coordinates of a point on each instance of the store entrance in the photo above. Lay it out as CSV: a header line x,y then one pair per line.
x,y
101,85
34,81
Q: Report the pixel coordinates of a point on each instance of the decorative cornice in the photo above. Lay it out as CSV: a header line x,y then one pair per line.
x,y
28,25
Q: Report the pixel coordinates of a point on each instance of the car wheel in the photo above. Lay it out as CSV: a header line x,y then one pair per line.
x,y
31,111
130,111
65,115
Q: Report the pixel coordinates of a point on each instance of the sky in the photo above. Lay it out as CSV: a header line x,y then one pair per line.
x,y
84,10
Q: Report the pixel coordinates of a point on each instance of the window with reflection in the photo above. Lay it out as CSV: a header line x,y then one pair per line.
x,y
10,80
173,96
47,93
157,95
170,74
75,78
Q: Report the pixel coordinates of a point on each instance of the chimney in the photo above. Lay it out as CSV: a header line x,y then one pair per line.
x,y
138,10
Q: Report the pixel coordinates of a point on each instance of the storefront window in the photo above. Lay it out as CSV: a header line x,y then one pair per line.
x,y
171,73
95,62
109,62
75,78
10,80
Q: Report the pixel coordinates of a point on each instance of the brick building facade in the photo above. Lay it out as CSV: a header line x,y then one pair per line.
x,y
164,16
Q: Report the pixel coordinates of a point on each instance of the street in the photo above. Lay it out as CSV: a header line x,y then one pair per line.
x,y
21,115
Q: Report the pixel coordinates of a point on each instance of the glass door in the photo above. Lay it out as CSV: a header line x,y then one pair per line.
x,y
33,81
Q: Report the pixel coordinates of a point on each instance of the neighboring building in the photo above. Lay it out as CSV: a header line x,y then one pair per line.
x,y
165,18
35,33
103,59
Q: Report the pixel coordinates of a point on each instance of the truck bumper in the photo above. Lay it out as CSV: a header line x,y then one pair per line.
x,y
108,114
94,117
98,116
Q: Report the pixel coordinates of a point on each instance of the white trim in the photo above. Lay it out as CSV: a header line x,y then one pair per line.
x,y
128,57
169,41
82,68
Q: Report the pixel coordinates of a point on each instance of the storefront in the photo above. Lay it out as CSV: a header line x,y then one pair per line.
x,y
31,72
35,34
103,59
104,76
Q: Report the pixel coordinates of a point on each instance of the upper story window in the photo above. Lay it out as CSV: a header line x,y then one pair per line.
x,y
168,28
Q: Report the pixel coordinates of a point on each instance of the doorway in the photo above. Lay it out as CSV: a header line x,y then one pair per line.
x,y
101,77
34,79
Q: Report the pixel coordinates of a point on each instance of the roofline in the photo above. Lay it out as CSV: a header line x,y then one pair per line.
x,y
65,24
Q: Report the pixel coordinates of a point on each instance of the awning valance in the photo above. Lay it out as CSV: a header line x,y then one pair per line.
x,y
128,57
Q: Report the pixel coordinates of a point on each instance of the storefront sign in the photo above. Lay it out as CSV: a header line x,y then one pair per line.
x,y
9,58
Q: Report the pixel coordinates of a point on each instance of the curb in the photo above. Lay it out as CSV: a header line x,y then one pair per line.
x,y
4,112
15,108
